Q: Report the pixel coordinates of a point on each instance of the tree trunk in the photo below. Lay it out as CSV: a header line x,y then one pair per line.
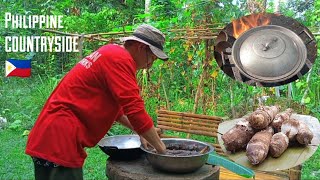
x,y
147,10
198,93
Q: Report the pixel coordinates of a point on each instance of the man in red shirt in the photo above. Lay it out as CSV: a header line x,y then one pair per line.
x,y
101,89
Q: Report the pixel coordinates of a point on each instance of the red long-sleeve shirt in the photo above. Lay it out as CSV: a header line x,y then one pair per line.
x,y
85,104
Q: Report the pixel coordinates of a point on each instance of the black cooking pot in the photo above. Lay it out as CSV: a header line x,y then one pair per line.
x,y
121,147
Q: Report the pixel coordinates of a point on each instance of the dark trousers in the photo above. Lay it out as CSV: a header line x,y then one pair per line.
x,y
56,173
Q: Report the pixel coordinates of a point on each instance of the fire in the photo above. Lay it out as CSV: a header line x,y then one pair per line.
x,y
247,22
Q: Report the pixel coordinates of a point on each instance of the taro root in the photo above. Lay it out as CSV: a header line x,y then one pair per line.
x,y
237,137
279,143
258,147
263,116
304,135
290,128
280,118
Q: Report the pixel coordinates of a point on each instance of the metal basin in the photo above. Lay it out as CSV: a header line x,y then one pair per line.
x,y
179,164
121,147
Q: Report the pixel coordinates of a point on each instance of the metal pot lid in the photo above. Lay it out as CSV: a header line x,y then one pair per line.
x,y
265,49
269,53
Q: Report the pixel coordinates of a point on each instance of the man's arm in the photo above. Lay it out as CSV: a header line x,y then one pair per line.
x,y
125,122
151,135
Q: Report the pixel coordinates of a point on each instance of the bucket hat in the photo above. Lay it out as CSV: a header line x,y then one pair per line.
x,y
150,36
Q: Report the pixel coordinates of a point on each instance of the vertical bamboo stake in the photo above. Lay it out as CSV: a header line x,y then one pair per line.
x,y
232,100
307,88
158,85
213,89
205,72
165,95
197,97
277,91
144,83
81,46
318,96
289,94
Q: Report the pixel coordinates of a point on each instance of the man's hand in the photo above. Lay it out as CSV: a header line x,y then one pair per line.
x,y
159,131
153,138
145,144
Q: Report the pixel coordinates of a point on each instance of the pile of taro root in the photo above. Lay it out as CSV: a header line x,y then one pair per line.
x,y
266,131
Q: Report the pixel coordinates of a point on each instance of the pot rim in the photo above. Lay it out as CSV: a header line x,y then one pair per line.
x,y
211,148
104,139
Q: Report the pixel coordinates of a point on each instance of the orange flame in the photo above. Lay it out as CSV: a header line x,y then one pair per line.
x,y
247,22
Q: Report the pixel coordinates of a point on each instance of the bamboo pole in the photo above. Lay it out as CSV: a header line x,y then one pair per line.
x,y
195,37
165,95
59,32
318,96
212,36
187,122
185,118
182,126
205,72
159,89
112,33
307,88
81,46
168,136
71,34
198,94
187,131
232,100
194,29
189,115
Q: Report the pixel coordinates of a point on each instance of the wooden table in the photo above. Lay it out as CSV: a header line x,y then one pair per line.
x,y
141,169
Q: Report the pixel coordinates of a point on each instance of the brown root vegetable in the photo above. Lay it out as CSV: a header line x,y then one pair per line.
x,y
304,135
237,137
290,128
280,118
279,143
258,147
263,116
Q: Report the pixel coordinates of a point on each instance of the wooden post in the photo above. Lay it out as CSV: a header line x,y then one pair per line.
x,y
198,94
81,46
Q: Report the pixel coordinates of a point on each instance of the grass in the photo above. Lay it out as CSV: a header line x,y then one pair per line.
x,y
21,101
15,164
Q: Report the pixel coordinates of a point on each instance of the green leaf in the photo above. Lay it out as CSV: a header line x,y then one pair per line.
x,y
299,84
15,125
307,100
215,159
25,133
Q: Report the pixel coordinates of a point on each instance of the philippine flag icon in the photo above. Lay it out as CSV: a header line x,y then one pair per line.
x,y
19,68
